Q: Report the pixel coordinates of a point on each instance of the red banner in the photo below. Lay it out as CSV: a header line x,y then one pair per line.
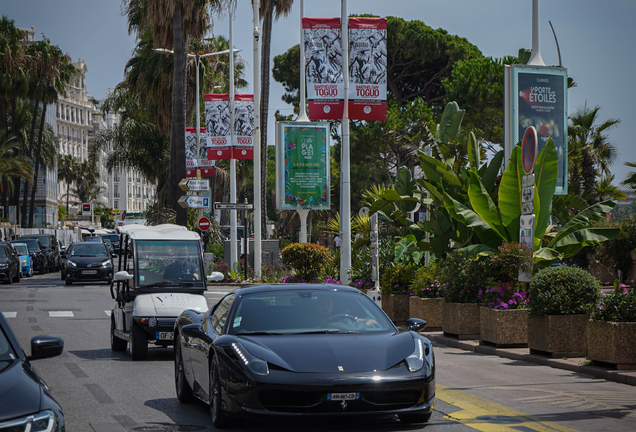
x,y
323,68
202,162
243,144
217,122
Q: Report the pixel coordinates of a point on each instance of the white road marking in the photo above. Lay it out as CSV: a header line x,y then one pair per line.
x,y
108,312
61,314
10,314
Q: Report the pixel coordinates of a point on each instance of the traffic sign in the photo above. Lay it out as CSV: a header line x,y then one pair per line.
x,y
233,206
116,211
529,149
204,224
196,185
123,215
527,194
194,201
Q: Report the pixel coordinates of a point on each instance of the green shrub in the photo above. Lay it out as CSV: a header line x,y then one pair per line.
x,y
562,291
617,249
217,249
396,280
307,259
508,260
464,275
360,272
617,307
426,284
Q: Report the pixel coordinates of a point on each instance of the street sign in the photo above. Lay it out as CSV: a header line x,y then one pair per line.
x,y
233,206
527,208
529,149
196,185
86,208
111,217
526,237
527,194
194,201
116,211
123,215
204,224
527,180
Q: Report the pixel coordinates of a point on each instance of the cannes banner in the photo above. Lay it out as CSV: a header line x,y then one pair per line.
x,y
243,145
192,162
217,122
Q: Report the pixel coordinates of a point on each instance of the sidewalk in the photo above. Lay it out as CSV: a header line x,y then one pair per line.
x,y
523,354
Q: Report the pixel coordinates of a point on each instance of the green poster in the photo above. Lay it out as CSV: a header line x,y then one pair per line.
x,y
304,148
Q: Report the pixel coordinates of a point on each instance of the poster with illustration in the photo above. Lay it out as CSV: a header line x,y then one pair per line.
x,y
217,122
540,100
202,162
323,68
303,166
243,145
367,68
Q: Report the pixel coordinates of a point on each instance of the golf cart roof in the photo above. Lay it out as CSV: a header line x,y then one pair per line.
x,y
158,232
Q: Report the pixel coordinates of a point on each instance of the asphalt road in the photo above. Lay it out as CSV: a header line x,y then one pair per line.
x,y
103,391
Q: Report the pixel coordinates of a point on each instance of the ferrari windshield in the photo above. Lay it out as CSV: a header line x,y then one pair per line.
x,y
307,312
169,262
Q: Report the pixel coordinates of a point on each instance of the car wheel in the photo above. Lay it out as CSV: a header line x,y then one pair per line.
x,y
116,344
17,276
69,282
415,418
184,391
8,281
219,418
44,270
138,343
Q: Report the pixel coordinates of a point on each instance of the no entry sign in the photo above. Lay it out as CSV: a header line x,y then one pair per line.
x,y
204,224
529,149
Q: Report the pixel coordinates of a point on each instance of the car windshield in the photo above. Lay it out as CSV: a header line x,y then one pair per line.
x,y
33,245
22,250
44,240
93,239
3,252
88,250
114,238
307,312
169,262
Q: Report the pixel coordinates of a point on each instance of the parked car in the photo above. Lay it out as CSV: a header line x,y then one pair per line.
x,y
110,247
87,262
306,349
52,249
114,239
25,258
27,402
10,270
37,253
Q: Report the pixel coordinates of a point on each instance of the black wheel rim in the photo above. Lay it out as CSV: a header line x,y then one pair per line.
x,y
178,368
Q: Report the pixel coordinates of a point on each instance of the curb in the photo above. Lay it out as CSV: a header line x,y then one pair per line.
x,y
620,376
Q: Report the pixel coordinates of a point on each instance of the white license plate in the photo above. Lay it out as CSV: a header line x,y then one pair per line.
x,y
165,335
343,396
89,271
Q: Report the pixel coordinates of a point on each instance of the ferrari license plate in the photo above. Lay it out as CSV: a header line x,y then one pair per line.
x,y
165,335
343,396
89,271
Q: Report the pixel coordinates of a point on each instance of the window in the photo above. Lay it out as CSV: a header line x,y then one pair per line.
x,y
219,317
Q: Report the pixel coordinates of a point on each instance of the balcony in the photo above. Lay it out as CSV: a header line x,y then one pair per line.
x,y
116,179
117,195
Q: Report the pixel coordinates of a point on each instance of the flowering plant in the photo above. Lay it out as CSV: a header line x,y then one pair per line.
x,y
428,289
504,296
617,307
463,276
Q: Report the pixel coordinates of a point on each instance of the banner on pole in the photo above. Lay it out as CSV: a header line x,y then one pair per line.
x,y
323,68
217,122
367,68
243,145
202,162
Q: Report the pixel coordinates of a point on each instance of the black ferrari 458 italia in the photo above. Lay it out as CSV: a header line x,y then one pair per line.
x,y
314,350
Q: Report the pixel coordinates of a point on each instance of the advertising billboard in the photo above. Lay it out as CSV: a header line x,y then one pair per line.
x,y
192,161
243,145
217,125
537,96
302,166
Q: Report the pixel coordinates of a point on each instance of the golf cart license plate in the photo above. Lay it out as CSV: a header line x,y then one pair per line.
x,y
165,335
343,396
89,271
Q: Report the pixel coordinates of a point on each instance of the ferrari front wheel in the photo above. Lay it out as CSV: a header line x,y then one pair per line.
x,y
184,391
220,419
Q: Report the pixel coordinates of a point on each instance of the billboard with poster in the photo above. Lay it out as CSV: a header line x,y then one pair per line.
x,y
537,96
217,125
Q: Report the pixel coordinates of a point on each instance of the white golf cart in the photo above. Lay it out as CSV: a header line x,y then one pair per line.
x,y
159,274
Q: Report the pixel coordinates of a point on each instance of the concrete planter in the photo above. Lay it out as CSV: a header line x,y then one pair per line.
x,y
503,327
613,343
558,335
396,306
428,309
461,320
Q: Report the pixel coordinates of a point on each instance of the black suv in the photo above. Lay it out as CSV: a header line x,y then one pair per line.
x,y
37,252
10,268
52,249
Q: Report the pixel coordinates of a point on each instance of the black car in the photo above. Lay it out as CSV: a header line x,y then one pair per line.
x,y
37,252
311,349
87,262
52,249
114,239
10,267
27,403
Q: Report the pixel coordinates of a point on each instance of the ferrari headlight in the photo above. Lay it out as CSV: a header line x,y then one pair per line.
x,y
416,360
44,421
255,365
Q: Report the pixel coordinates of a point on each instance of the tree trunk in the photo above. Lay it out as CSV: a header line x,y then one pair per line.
x,y
4,126
266,44
177,149
37,168
25,196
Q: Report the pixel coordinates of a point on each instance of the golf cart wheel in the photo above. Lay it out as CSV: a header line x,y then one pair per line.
x,y
116,344
138,343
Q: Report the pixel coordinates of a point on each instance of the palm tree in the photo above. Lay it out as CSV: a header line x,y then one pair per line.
x,y
67,167
269,10
86,189
12,165
591,151
13,76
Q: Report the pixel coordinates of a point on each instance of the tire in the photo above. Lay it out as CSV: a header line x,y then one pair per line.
x,y
138,343
69,282
43,270
8,281
17,276
219,418
415,418
183,389
116,344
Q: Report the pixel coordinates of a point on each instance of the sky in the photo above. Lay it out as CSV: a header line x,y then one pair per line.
x,y
596,39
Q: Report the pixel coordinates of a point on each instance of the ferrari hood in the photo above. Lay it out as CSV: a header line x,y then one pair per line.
x,y
331,352
20,392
